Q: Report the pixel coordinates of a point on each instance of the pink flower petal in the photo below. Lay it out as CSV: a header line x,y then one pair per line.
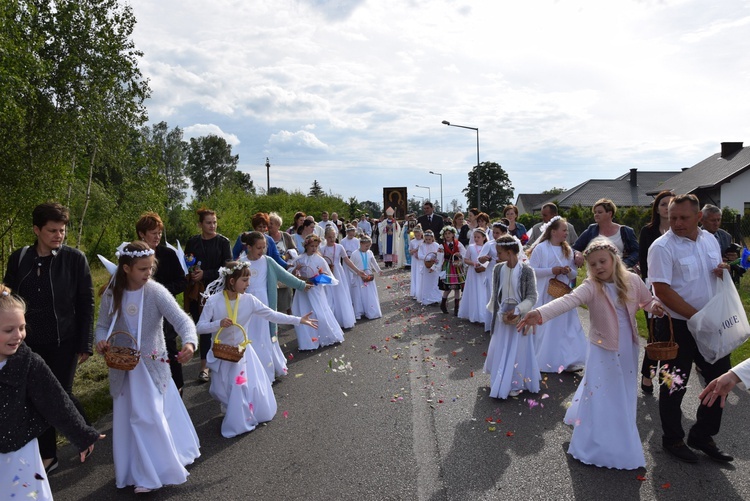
x,y
240,380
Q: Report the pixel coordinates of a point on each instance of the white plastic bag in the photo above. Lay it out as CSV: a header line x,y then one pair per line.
x,y
721,325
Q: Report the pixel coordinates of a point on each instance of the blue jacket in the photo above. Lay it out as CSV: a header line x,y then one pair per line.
x,y
629,243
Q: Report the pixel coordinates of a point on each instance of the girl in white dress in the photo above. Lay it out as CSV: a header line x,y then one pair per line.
x,y
339,297
474,302
511,361
308,266
366,299
429,292
560,342
417,265
32,400
261,332
603,411
351,244
242,388
153,438
488,256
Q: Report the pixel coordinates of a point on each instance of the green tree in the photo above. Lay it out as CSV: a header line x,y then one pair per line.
x,y
353,208
168,151
210,164
373,209
315,190
243,181
554,191
414,205
496,188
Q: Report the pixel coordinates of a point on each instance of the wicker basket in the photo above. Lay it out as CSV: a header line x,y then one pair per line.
x,y
124,358
430,260
482,267
557,288
661,350
228,352
369,277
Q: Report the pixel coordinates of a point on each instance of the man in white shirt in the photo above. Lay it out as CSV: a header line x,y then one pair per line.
x,y
683,266
364,225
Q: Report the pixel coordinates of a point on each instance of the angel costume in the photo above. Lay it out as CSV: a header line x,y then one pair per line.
x,y
328,332
242,388
339,296
351,244
474,301
366,299
561,341
153,438
429,292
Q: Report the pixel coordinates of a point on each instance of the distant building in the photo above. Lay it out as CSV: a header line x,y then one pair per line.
x,y
723,179
629,190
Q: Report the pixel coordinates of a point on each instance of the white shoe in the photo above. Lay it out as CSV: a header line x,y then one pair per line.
x,y
514,393
142,490
574,368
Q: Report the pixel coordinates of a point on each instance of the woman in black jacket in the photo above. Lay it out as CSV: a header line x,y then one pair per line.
x,y
170,274
55,282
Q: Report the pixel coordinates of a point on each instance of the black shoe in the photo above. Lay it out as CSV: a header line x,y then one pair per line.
x,y
680,451
52,466
709,448
648,390
444,305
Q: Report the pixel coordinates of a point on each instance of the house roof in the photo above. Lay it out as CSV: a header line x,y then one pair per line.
x,y
713,171
527,201
618,190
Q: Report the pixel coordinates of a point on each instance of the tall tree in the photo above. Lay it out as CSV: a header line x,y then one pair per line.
x,y
210,164
372,208
497,190
316,190
455,206
168,152
243,181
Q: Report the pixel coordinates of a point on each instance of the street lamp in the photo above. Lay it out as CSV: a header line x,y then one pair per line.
x,y
268,175
442,207
479,189
429,192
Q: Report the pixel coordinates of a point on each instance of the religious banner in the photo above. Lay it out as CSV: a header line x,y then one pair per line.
x,y
396,198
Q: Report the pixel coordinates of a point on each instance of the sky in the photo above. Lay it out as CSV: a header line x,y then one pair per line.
x,y
352,93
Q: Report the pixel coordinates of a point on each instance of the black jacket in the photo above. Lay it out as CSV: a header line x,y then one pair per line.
x,y
169,271
212,254
435,226
32,400
72,292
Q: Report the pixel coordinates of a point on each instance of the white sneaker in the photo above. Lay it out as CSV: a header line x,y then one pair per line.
x,y
514,393
142,490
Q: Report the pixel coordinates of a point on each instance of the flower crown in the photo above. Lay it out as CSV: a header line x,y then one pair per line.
x,y
225,272
121,251
506,244
447,228
600,244
500,224
549,223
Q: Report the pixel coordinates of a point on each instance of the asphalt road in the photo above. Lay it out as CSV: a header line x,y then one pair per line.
x,y
401,410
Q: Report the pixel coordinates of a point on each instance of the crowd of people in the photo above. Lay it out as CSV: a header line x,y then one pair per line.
x,y
320,277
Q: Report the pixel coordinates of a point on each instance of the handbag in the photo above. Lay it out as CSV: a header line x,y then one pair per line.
x,y
721,325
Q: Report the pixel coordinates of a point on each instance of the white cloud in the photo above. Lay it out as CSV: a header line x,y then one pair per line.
x,y
581,87
300,140
199,130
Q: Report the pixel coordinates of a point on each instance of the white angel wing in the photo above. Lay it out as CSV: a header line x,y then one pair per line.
x,y
180,255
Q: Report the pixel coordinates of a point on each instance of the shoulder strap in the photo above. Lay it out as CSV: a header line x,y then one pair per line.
x,y
23,253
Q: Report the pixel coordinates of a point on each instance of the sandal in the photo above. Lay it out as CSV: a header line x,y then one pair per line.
x,y
203,376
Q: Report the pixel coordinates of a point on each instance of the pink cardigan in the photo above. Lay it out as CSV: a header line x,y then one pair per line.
x,y
604,325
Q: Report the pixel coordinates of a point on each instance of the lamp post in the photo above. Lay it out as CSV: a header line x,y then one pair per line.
x,y
429,192
268,175
479,186
442,207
